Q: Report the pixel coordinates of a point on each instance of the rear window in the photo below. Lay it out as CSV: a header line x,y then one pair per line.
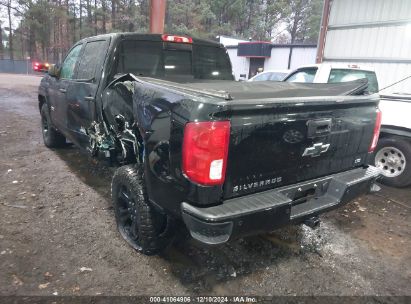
x,y
344,75
272,76
168,60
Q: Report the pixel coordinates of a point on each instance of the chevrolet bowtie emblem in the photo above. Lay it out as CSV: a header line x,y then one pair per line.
x,y
316,149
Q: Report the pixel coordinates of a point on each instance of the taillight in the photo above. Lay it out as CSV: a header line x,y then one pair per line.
x,y
178,39
376,134
205,149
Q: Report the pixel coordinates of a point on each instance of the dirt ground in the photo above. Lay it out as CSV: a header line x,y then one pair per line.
x,y
58,234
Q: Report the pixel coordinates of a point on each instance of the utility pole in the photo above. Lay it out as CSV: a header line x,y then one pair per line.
x,y
1,42
323,31
10,31
157,16
81,21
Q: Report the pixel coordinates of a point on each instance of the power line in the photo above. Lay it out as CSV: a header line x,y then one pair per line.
x,y
401,80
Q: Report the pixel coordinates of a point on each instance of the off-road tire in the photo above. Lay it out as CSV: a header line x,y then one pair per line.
x,y
144,227
404,146
51,137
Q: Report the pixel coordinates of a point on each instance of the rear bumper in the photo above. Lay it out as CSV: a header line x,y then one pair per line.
x,y
268,210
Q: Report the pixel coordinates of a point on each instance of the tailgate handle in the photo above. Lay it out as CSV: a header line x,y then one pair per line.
x,y
318,127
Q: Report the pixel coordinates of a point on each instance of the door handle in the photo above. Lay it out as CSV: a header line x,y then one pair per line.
x,y
63,90
89,98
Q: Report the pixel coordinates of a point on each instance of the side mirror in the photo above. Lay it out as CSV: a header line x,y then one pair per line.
x,y
54,70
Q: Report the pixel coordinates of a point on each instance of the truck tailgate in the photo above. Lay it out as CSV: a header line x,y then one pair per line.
x,y
282,141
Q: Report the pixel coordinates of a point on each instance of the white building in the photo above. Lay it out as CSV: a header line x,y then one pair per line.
x,y
247,56
375,33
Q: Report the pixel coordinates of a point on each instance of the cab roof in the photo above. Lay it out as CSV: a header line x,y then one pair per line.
x,y
152,37
334,65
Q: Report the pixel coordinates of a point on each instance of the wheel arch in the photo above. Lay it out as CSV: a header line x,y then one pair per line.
x,y
389,130
42,100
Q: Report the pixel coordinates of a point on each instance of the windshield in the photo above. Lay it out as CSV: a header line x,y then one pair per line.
x,y
272,76
344,75
171,60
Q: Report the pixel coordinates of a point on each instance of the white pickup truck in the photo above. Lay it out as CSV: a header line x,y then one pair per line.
x,y
393,153
329,73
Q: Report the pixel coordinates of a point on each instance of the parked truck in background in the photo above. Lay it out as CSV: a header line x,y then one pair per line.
x,y
393,153
191,144
377,34
333,73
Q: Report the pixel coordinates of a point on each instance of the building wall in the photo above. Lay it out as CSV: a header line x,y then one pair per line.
x,y
277,61
374,33
239,64
224,40
279,58
303,56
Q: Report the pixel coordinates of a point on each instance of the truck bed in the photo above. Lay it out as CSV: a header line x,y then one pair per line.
x,y
234,90
280,133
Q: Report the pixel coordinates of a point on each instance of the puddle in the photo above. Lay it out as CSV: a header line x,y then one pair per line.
x,y
203,268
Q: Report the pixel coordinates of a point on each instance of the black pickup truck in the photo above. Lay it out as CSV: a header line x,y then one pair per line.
x,y
227,158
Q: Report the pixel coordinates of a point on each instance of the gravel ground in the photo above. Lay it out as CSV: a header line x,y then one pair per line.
x,y
58,235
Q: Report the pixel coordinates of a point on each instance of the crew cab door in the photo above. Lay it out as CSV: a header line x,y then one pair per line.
x,y
81,96
57,92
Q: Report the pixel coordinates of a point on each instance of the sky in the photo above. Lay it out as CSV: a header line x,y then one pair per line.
x,y
5,21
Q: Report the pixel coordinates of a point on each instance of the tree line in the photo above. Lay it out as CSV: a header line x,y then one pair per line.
x,y
45,29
